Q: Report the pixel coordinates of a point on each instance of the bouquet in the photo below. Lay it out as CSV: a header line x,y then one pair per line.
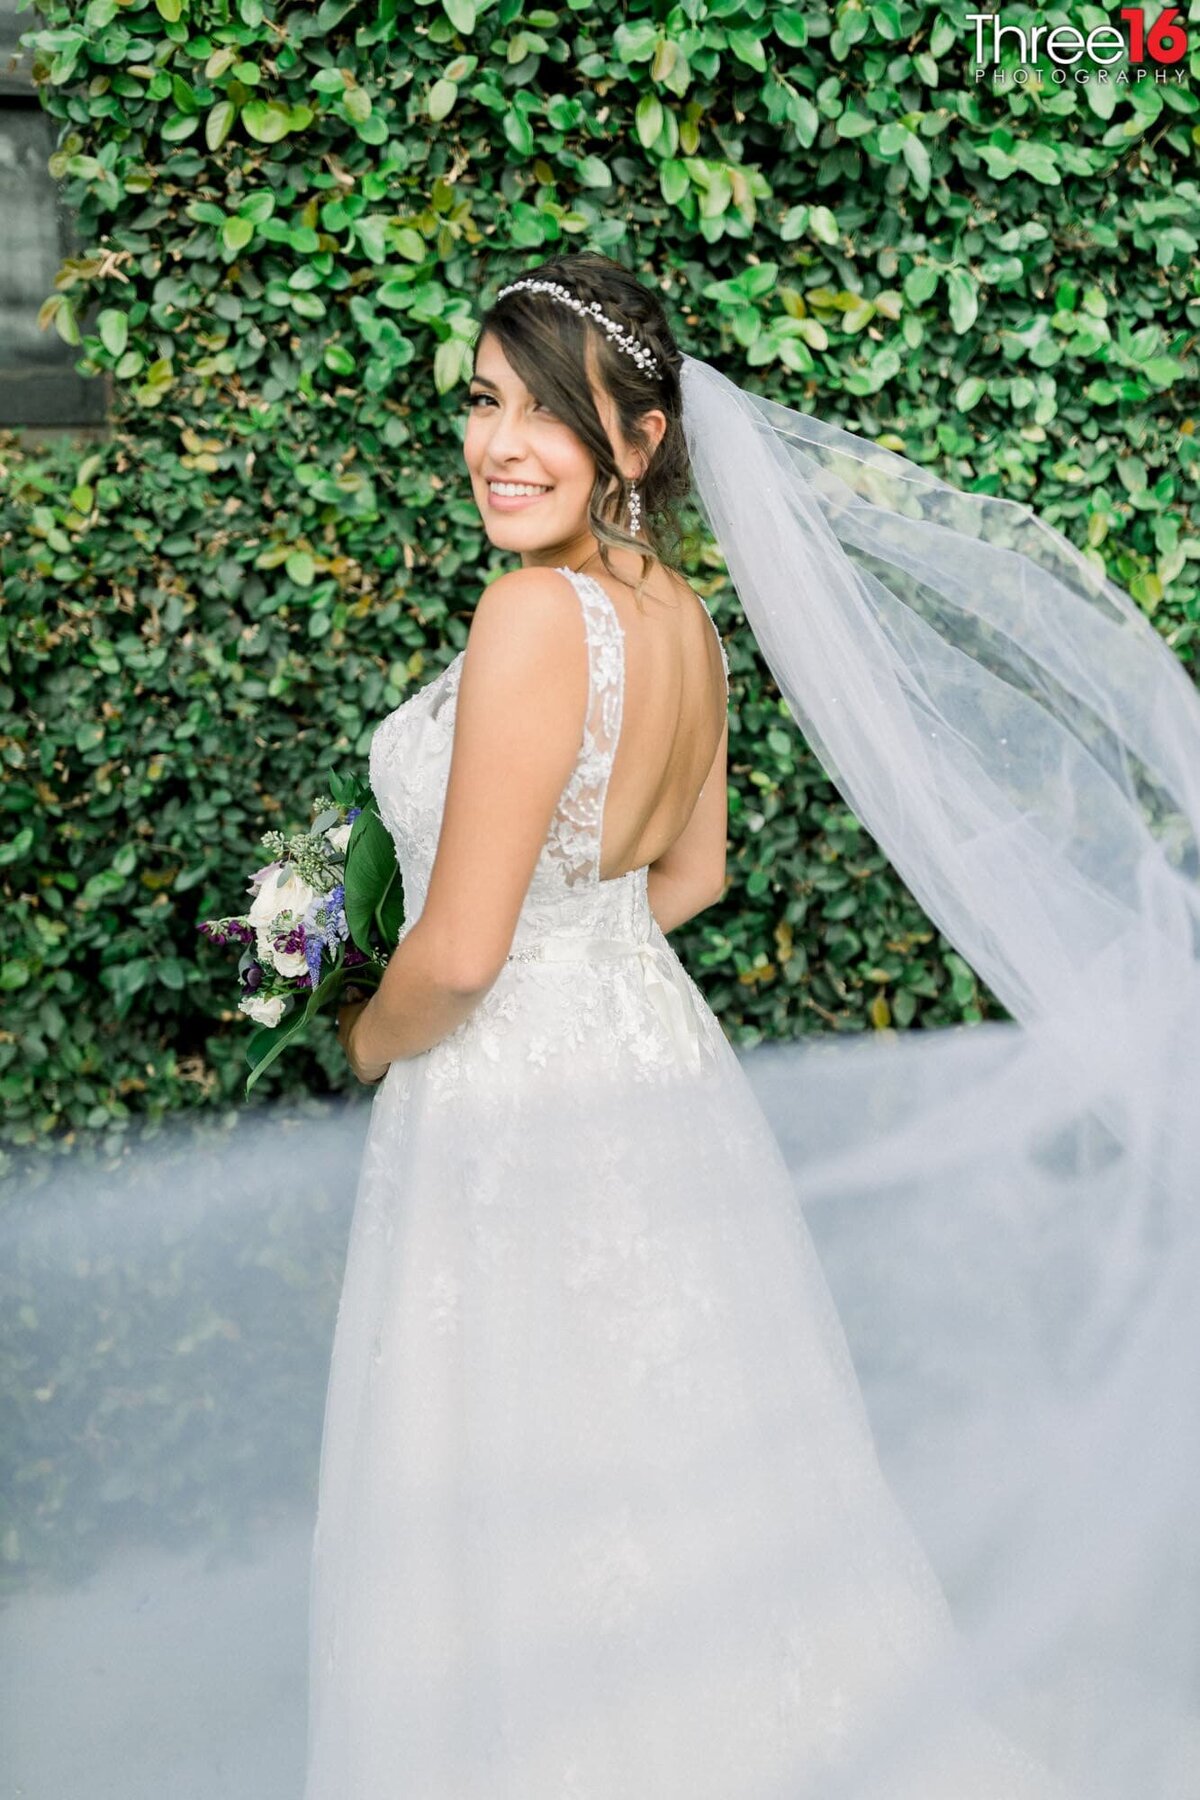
x,y
327,911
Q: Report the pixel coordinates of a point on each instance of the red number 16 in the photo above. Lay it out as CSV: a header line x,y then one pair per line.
x,y
1167,41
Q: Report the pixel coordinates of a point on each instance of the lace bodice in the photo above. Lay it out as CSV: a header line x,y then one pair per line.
x,y
589,973
410,765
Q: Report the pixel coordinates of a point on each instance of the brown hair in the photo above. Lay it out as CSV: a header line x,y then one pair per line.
x,y
553,350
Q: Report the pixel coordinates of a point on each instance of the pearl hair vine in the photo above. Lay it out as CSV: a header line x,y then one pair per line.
x,y
592,310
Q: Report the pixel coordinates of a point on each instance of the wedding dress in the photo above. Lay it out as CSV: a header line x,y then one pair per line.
x,y
600,1515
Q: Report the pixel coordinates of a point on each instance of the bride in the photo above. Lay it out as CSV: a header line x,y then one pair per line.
x,y
600,1515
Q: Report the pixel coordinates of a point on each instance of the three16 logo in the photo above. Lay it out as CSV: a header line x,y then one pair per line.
x,y
1162,42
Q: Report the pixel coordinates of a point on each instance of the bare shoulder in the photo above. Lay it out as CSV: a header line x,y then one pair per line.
x,y
527,629
528,613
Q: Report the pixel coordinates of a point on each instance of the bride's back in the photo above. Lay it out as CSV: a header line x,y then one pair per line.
x,y
672,718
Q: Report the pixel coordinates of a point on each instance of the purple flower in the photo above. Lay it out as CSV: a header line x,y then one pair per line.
x,y
353,814
252,979
334,910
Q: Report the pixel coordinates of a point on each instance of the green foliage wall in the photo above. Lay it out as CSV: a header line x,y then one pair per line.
x,y
293,215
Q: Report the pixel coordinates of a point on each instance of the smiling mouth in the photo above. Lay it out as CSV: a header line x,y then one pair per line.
x,y
517,490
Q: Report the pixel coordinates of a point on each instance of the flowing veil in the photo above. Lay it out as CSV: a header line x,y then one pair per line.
x,y
1005,1211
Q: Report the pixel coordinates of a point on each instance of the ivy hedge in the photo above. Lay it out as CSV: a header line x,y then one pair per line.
x,y
292,215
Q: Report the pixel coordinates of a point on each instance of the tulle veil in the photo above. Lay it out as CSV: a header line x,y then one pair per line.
x,y
1005,1211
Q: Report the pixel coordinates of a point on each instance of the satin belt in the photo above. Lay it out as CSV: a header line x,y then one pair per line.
x,y
662,973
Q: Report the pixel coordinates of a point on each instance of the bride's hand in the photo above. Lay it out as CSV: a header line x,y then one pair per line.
x,y
349,1020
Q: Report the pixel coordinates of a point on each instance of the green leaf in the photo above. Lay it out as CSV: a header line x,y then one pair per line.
x,y
674,181
179,126
257,207
461,14
270,1041
747,47
635,42
308,306
266,120
113,327
448,363
358,105
943,36
371,872
236,233
442,96
409,244
758,280
823,226
218,123
594,173
969,392
16,847
964,299
1162,371
1101,96
125,980
920,283
854,124
1146,589
371,233
648,118
519,132
917,157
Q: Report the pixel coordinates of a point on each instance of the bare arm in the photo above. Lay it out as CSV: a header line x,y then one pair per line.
x,y
522,703
691,874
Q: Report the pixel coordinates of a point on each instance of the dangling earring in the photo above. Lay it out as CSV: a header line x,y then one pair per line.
x,y
635,509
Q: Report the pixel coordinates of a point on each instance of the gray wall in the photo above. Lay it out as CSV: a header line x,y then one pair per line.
x,y
38,383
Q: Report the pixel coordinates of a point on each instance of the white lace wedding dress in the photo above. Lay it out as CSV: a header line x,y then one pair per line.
x,y
600,1516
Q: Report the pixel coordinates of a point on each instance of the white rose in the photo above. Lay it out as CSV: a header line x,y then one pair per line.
x,y
285,962
263,1012
281,893
339,836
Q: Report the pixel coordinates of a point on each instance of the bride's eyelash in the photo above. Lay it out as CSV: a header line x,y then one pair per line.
x,y
472,398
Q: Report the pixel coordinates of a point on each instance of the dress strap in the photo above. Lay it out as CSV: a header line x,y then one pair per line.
x,y
580,817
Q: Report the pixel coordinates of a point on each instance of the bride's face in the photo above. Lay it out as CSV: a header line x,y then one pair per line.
x,y
530,475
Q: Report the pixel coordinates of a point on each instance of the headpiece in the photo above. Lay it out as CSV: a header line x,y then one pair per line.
x,y
624,340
